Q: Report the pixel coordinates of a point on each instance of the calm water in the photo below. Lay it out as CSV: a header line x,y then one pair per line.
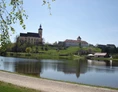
x,y
102,73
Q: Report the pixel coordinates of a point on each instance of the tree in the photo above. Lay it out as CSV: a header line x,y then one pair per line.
x,y
34,49
12,11
55,43
28,49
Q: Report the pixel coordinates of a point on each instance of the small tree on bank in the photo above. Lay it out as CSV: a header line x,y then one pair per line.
x,y
28,49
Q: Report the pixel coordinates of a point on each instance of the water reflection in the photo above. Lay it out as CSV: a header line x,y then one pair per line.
x,y
67,67
102,66
36,67
74,71
24,66
32,68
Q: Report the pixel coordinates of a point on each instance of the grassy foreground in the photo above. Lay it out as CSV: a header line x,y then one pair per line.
x,y
7,87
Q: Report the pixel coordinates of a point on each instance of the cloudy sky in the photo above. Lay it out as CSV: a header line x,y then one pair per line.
x,y
95,21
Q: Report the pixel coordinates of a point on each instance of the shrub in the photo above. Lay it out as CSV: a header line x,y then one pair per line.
x,y
28,49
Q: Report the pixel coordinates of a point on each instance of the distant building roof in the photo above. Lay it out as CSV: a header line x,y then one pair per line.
x,y
100,45
111,45
23,34
84,42
100,54
29,34
75,41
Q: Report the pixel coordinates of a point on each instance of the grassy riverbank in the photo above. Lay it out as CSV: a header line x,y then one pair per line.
x,y
50,54
7,87
114,59
39,55
73,53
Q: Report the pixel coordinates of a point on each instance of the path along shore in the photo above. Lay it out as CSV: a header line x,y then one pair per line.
x,y
45,85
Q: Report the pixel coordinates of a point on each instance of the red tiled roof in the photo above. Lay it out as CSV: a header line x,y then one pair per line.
x,y
76,41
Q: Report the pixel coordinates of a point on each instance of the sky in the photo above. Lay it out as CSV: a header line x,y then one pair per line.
x,y
95,21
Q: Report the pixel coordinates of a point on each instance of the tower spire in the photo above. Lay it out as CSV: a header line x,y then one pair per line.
x,y
40,31
40,27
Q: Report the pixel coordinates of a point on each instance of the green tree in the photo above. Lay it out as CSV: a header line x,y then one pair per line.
x,y
12,11
9,47
34,49
28,49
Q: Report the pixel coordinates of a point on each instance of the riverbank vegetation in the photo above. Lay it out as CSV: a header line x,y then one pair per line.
x,y
7,87
48,51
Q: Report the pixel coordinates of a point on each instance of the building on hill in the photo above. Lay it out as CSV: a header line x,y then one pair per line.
x,y
78,42
31,38
111,46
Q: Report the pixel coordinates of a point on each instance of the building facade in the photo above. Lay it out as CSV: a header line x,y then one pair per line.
x,y
32,38
78,42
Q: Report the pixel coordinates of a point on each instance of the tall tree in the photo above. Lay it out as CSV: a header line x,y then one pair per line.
x,y
12,11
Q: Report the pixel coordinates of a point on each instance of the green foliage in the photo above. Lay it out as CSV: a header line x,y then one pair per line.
x,y
28,54
115,56
11,12
28,49
7,87
48,3
89,50
49,51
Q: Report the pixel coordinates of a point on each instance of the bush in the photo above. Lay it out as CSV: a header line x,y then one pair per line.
x,y
18,54
115,56
28,54
11,54
28,49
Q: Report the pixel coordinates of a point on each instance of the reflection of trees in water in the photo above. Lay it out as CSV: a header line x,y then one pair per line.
x,y
68,67
49,65
115,63
32,68
73,67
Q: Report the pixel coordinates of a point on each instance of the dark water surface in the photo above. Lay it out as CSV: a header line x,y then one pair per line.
x,y
101,73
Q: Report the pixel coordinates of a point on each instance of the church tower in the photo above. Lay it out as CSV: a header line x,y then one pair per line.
x,y
79,38
40,31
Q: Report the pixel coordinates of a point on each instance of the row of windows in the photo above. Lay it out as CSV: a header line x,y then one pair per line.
x,y
21,41
30,41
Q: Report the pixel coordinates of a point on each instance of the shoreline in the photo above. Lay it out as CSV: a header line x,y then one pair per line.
x,y
50,56
46,80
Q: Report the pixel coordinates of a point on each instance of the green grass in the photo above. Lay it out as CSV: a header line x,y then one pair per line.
x,y
50,54
7,87
105,59
68,53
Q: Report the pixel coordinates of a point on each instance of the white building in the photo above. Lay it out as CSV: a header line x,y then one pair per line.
x,y
78,42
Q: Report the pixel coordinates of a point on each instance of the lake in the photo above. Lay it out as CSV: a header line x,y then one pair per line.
x,y
99,73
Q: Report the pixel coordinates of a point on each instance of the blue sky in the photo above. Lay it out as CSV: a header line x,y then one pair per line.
x,y
96,21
